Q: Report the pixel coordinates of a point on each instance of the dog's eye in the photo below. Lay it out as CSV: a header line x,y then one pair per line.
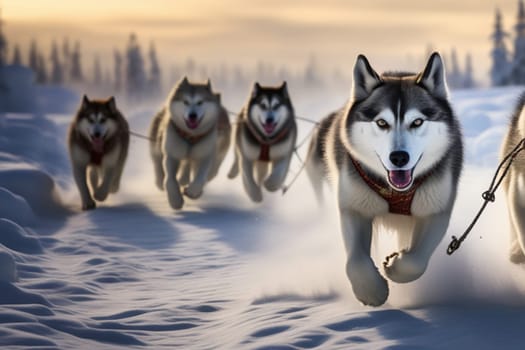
x,y
382,124
264,107
276,106
186,102
199,103
103,120
416,123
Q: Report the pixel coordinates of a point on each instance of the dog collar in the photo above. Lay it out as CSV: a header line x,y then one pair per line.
x,y
190,138
266,142
398,202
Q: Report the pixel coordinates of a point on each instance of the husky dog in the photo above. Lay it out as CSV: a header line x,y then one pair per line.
x,y
514,184
98,144
264,137
189,138
394,155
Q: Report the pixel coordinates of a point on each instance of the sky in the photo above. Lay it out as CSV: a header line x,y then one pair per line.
x,y
393,35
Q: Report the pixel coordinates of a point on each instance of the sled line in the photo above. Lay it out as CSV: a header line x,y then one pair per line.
x,y
488,195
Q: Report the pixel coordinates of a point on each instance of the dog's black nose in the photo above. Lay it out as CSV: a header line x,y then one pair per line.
x,y
192,116
270,119
399,158
97,134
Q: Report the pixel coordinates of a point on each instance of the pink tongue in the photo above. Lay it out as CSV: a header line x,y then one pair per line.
x,y
192,124
400,179
98,144
269,128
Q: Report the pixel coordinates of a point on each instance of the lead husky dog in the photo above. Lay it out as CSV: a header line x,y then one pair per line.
x,y
394,155
190,137
98,144
514,184
264,137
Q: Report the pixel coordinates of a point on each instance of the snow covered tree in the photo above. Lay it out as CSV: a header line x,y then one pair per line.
x,y
135,72
75,65
97,72
17,56
33,56
66,58
3,44
154,87
518,71
57,74
454,75
41,71
117,58
311,72
500,63
468,79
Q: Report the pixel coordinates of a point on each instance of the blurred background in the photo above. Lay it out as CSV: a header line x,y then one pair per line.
x,y
137,50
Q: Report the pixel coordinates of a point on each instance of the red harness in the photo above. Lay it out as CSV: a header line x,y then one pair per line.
x,y
265,143
398,202
190,138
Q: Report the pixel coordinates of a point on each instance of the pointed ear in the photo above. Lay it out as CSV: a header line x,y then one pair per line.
x,y
85,102
184,81
208,84
255,90
112,104
217,97
365,79
433,77
284,89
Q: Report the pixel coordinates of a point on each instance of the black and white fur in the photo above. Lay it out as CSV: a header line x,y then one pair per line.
x,y
401,128
187,146
268,117
98,144
514,183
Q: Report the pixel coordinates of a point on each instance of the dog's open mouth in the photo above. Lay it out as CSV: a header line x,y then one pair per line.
x,y
269,128
192,123
400,179
98,144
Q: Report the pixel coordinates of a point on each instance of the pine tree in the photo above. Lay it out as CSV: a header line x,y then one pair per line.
x,y
518,72
135,72
468,81
117,56
500,63
41,71
66,59
33,56
97,72
454,76
3,44
76,74
57,73
17,56
154,73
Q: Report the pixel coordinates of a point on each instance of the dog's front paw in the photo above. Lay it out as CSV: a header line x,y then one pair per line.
x,y
193,191
272,185
368,285
101,194
403,267
255,195
89,205
174,196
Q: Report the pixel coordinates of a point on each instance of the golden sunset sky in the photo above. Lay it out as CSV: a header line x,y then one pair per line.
x,y
393,34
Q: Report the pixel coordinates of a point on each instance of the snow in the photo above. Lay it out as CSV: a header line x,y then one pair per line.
x,y
227,274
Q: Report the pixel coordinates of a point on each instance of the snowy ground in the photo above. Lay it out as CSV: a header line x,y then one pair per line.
x,y
226,274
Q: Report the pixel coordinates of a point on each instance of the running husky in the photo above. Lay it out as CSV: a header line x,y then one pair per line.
x,y
394,155
98,143
264,137
514,184
189,139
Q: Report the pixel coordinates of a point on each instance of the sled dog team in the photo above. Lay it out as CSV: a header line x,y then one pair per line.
x,y
393,156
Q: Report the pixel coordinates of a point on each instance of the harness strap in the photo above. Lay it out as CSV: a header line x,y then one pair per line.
x,y
190,138
399,202
264,142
